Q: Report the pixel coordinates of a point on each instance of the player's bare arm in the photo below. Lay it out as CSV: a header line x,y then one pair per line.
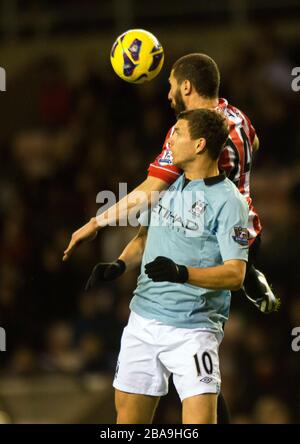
x,y
130,258
229,276
133,252
140,196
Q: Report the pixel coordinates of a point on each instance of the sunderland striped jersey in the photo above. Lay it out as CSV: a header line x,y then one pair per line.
x,y
235,159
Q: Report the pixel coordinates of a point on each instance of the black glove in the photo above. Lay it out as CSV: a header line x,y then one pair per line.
x,y
105,272
164,269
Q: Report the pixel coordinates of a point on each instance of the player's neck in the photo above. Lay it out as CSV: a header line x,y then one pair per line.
x,y
195,101
201,170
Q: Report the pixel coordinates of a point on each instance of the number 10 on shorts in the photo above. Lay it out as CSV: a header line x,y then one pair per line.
x,y
205,364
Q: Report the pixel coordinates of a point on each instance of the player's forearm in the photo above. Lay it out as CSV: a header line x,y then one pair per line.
x,y
133,252
216,278
143,195
121,210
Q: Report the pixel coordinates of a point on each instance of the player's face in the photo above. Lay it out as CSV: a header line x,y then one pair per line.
x,y
181,145
175,95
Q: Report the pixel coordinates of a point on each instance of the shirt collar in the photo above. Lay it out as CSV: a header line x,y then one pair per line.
x,y
207,181
215,179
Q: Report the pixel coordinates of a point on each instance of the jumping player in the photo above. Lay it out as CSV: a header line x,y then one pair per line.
x,y
194,83
192,254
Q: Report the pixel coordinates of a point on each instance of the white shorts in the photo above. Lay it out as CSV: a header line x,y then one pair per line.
x,y
151,352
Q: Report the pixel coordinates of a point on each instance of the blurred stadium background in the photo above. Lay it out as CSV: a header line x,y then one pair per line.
x,y
69,129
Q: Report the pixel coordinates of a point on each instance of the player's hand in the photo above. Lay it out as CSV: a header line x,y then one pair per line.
x,y
104,272
86,233
164,269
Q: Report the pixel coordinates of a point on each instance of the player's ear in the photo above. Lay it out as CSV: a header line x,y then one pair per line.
x,y
200,145
186,87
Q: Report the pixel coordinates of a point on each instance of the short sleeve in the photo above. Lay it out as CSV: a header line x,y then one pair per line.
x,y
162,167
232,232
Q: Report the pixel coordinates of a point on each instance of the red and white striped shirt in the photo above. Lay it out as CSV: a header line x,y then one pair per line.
x,y
235,159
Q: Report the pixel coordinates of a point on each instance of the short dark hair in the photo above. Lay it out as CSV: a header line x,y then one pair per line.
x,y
202,71
209,124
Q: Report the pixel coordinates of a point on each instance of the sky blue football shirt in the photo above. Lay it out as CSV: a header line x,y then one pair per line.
x,y
199,223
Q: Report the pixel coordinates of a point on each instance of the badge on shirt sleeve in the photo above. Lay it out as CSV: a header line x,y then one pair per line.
x,y
166,158
240,235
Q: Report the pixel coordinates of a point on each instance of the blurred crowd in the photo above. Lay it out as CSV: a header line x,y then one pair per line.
x,y
65,141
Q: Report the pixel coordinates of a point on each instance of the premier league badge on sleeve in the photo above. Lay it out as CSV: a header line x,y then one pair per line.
x,y
241,236
166,158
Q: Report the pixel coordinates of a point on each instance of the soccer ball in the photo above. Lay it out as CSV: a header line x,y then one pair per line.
x,y
137,56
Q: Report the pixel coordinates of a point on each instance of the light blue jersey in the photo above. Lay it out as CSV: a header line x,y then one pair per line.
x,y
199,223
